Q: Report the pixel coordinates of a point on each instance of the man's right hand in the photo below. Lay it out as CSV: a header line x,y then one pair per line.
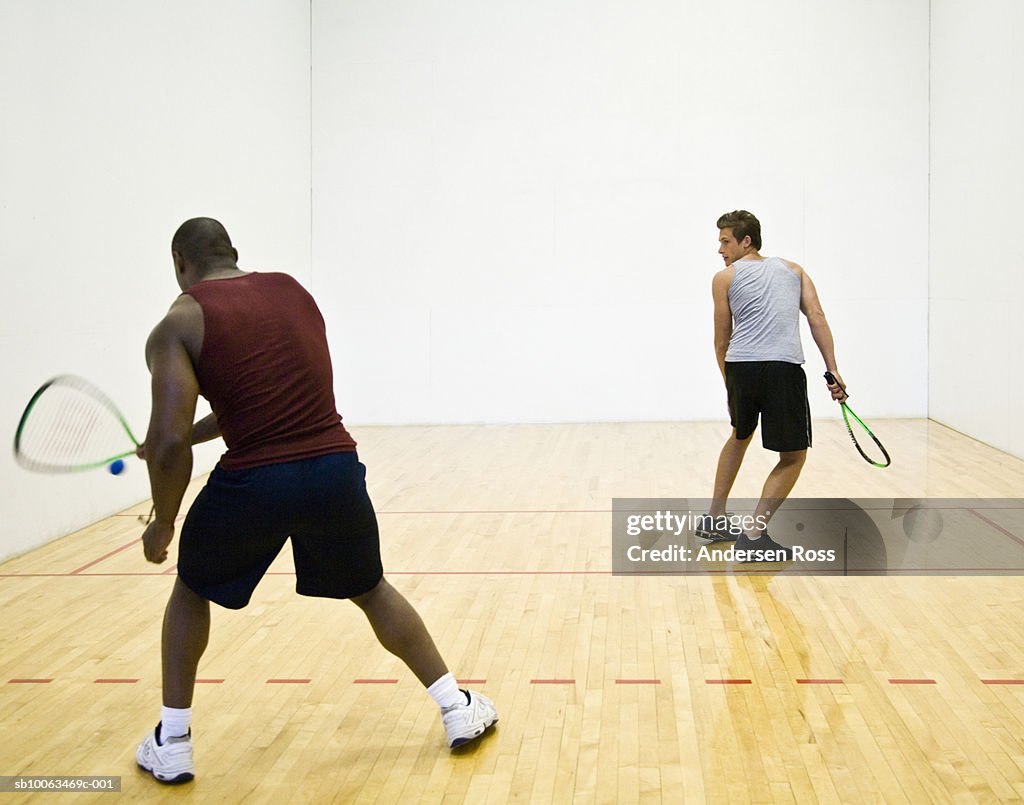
x,y
155,540
838,388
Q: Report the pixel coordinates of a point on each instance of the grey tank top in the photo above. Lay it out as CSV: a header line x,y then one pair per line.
x,y
765,301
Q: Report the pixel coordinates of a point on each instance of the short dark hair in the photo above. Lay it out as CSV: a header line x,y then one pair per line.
x,y
742,223
202,241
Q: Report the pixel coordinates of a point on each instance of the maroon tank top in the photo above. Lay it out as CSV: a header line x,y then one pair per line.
x,y
266,370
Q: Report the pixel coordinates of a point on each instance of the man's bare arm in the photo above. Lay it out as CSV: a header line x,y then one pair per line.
x,y
169,437
205,429
723,315
811,307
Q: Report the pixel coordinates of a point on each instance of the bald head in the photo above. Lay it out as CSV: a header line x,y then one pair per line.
x,y
204,243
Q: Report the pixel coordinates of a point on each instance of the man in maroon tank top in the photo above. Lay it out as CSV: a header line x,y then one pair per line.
x,y
255,346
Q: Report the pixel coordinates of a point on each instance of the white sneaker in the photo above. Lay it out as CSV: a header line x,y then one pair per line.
x,y
464,722
169,763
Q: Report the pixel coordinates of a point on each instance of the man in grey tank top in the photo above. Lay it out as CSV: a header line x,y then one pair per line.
x,y
758,302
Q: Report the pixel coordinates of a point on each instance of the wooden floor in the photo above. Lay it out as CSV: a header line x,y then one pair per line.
x,y
610,689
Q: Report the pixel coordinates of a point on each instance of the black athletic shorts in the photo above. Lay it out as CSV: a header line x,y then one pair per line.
x,y
242,518
775,390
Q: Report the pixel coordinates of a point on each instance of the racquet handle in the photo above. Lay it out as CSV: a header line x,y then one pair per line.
x,y
831,380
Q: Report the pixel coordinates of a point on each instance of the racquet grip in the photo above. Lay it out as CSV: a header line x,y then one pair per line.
x,y
831,380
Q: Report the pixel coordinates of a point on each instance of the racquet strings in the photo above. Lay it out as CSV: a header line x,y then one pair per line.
x,y
867,444
71,425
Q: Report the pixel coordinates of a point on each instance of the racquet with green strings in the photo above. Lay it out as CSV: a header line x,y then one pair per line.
x,y
847,414
69,425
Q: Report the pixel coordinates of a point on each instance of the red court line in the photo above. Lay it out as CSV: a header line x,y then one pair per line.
x,y
886,508
363,681
895,572
997,527
509,511
292,573
114,552
495,573
132,544
923,571
67,575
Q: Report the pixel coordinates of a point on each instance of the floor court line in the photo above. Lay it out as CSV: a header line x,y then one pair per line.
x,y
536,681
997,527
111,574
886,509
106,556
952,571
403,513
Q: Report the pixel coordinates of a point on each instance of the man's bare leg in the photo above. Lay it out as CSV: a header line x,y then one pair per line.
x,y
400,630
186,633
729,461
777,486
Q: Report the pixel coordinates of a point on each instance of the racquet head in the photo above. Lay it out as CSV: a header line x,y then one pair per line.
x,y
70,425
861,429
876,460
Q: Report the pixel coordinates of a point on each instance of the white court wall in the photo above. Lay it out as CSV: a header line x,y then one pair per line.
x,y
118,120
977,284
514,203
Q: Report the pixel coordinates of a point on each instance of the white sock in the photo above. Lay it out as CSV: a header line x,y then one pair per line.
x,y
445,691
176,722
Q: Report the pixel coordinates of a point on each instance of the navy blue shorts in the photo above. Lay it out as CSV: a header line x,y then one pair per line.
x,y
242,519
777,392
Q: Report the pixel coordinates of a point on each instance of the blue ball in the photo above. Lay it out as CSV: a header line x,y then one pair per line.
x,y
116,467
